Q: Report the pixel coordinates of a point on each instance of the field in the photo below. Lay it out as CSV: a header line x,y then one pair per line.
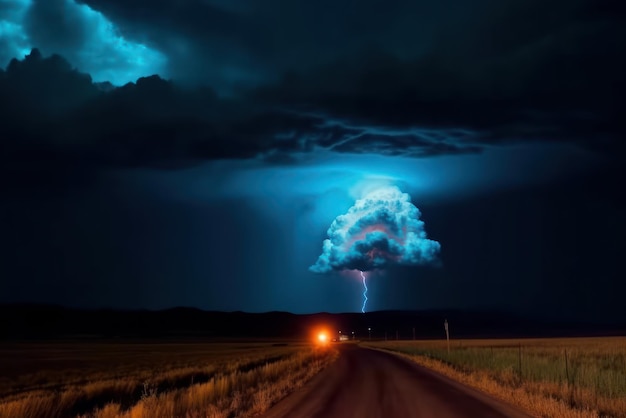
x,y
569,377
156,379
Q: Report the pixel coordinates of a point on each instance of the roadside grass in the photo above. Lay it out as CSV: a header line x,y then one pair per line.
x,y
565,377
156,380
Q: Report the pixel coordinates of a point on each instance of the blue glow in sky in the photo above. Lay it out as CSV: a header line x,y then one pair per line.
x,y
89,41
286,210
343,178
327,184
14,41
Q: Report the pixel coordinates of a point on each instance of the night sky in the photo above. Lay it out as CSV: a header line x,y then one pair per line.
x,y
161,153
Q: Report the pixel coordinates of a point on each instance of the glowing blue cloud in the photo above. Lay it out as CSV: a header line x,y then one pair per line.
x,y
382,228
13,40
84,36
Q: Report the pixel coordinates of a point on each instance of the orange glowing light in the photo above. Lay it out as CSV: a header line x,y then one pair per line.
x,y
321,335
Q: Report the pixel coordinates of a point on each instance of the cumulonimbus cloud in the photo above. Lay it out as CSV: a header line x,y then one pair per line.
x,y
381,229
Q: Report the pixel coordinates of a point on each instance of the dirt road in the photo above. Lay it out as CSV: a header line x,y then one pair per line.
x,y
365,383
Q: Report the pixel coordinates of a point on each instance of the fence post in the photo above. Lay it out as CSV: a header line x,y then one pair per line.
x,y
520,361
566,367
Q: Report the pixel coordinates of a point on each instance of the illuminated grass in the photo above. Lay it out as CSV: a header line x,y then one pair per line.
x,y
582,377
154,380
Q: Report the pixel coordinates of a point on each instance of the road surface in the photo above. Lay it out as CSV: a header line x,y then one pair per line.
x,y
366,383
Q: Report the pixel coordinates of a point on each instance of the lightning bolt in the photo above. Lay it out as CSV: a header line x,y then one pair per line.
x,y
364,292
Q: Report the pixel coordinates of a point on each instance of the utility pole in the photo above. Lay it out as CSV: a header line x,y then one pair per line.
x,y
445,325
396,335
369,330
413,333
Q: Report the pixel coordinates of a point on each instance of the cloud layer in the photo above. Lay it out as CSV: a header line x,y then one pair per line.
x,y
412,78
82,35
381,229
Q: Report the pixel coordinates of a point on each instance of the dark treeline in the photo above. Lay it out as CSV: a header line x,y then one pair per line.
x,y
53,322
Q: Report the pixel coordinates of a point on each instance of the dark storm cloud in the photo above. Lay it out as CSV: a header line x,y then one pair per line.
x,y
55,113
53,21
83,36
511,71
205,42
403,78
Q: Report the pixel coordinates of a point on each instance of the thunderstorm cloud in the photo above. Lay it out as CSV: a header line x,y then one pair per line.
x,y
382,228
82,35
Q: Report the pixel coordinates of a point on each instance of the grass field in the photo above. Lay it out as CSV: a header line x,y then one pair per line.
x,y
117,379
569,377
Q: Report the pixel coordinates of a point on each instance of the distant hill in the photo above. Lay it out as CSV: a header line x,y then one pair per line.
x,y
29,321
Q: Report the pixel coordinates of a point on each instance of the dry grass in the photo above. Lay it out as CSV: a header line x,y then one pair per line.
x,y
575,377
54,366
152,380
